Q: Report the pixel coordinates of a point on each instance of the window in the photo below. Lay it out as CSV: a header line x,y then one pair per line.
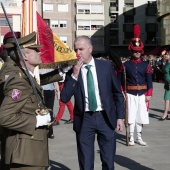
x,y
90,8
54,23
47,21
129,5
63,39
83,8
3,22
97,9
128,35
47,7
113,4
83,25
62,7
96,25
113,18
90,24
63,24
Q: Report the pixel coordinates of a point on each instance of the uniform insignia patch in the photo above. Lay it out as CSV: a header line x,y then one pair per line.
x,y
20,75
6,77
16,94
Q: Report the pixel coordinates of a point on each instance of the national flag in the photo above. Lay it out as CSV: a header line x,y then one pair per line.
x,y
53,51
29,17
29,23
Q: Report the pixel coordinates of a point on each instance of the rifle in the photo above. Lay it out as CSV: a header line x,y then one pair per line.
x,y
126,109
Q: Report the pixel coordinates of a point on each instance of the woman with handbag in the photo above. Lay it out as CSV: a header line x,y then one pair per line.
x,y
166,70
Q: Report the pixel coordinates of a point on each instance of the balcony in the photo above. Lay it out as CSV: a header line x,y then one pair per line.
x,y
113,1
113,9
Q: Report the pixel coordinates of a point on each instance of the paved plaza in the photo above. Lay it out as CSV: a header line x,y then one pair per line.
x,y
154,156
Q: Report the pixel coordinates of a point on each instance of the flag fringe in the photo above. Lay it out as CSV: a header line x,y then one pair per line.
x,y
56,64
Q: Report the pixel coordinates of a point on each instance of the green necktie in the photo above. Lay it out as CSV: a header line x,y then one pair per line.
x,y
91,90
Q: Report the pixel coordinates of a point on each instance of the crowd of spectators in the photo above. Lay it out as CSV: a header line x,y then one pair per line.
x,y
157,63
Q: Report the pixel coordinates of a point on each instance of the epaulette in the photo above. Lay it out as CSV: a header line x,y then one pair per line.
x,y
9,78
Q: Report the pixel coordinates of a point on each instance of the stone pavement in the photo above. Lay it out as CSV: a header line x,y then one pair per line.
x,y
154,156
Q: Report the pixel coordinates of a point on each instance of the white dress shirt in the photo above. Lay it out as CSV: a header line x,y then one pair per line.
x,y
84,76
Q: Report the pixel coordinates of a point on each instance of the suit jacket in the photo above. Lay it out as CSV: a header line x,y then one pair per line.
x,y
109,89
25,143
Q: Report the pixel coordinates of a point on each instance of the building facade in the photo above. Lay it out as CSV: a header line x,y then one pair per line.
x,y
109,23
60,16
164,19
91,21
124,15
14,11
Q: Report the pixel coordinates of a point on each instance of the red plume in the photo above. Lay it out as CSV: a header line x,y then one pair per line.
x,y
136,30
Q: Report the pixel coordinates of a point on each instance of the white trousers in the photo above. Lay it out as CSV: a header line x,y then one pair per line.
x,y
137,109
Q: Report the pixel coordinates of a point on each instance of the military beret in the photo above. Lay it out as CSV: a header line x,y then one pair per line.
x,y
9,36
29,41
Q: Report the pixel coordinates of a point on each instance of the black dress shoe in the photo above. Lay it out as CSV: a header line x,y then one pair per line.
x,y
68,121
51,136
165,118
56,123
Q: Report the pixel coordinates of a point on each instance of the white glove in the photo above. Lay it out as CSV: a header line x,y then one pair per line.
x,y
66,69
43,120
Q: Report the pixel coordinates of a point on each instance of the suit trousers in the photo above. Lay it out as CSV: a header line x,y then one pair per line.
x,y
96,123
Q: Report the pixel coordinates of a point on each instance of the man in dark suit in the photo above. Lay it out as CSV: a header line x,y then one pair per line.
x,y
101,115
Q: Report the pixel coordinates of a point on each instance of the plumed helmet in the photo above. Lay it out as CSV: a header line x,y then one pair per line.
x,y
136,44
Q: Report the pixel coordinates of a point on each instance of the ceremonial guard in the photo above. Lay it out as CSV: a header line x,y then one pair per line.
x,y
138,88
27,140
